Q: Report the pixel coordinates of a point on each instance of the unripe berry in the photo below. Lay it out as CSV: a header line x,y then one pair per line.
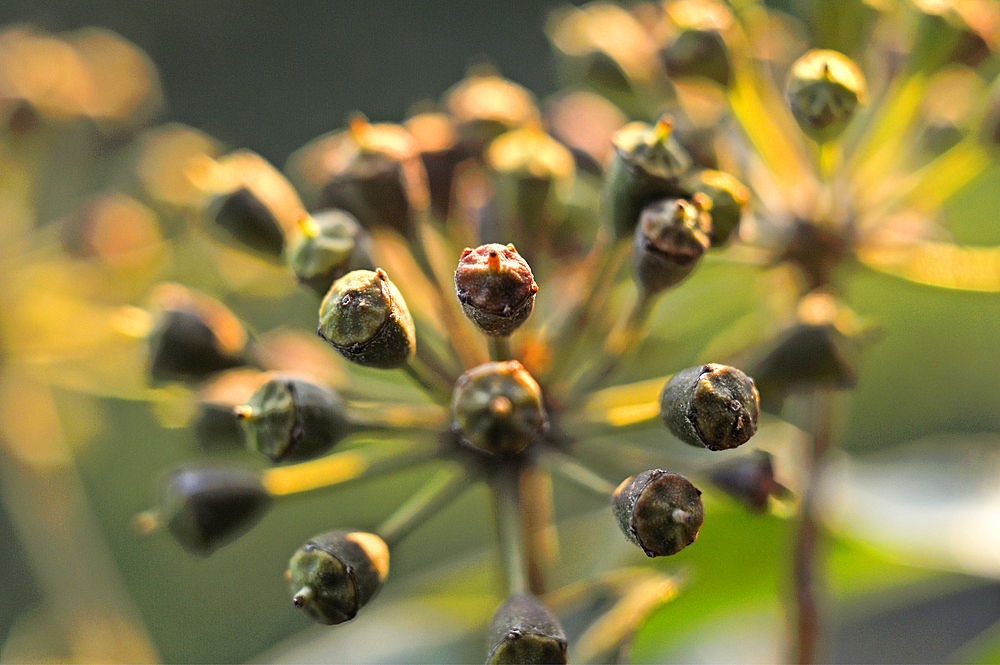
x,y
711,406
660,512
206,507
334,574
672,235
647,166
496,288
497,408
824,90
329,245
366,319
290,419
523,630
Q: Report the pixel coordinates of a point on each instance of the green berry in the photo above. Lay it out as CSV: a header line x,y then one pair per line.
x,y
290,419
329,245
336,573
824,91
711,406
728,199
365,318
672,235
497,408
648,165
660,512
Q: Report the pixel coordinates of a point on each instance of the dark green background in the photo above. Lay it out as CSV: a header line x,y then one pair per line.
x,y
269,75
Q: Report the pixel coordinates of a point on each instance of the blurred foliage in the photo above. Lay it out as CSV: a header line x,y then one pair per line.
x,y
92,214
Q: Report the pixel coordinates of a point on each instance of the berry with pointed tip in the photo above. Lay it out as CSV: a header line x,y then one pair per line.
x,y
728,198
711,406
496,288
365,318
824,90
660,512
648,165
336,573
329,245
672,235
206,507
289,419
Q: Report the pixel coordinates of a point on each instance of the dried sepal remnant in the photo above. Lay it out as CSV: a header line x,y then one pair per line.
x,y
496,288
497,408
523,630
366,319
711,406
661,512
290,419
335,574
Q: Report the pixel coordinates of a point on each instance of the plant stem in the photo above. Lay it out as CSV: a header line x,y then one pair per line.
x,y
578,473
428,379
806,578
507,505
608,257
620,342
396,417
538,522
500,349
446,486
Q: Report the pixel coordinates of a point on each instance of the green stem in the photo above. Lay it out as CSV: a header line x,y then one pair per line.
x,y
500,349
446,486
510,533
577,473
396,417
567,338
340,469
618,346
424,376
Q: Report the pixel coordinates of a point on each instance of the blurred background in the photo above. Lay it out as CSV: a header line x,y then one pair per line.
x,y
916,508
270,77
